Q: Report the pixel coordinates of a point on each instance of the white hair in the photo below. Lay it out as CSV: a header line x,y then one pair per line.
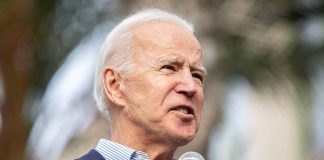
x,y
117,50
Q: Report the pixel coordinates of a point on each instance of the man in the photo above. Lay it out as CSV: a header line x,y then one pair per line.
x,y
150,80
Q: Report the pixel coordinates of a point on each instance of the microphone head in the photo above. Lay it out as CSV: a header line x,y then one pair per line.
x,y
191,156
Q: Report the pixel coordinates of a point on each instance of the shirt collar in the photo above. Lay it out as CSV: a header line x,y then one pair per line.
x,y
112,150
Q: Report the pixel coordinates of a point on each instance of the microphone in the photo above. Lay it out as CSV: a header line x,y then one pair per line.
x,y
191,156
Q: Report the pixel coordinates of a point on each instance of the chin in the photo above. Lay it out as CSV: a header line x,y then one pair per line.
x,y
181,140
180,133
183,137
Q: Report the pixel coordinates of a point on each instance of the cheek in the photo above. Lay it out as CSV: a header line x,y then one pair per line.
x,y
145,90
199,101
200,97
134,92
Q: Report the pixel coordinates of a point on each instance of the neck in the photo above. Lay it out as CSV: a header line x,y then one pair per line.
x,y
136,138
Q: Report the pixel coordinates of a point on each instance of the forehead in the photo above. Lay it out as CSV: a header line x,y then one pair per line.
x,y
165,37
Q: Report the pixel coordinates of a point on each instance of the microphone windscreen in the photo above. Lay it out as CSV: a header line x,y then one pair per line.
x,y
191,156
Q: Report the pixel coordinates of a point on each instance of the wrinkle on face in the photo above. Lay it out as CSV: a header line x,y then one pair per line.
x,y
144,37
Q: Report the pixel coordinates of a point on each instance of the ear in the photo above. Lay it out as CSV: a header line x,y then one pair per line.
x,y
111,79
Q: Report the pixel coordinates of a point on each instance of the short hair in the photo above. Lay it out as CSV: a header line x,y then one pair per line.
x,y
117,49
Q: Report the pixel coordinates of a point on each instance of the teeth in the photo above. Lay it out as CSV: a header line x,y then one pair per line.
x,y
183,110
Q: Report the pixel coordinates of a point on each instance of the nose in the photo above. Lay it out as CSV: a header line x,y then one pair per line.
x,y
186,85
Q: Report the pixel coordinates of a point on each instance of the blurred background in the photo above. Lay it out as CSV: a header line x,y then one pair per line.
x,y
264,95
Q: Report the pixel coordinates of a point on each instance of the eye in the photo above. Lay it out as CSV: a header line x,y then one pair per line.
x,y
168,68
198,76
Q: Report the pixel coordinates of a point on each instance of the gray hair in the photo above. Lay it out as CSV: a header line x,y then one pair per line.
x,y
117,50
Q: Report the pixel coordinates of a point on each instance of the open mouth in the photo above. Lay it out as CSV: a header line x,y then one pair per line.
x,y
184,109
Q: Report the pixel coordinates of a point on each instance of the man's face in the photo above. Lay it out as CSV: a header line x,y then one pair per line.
x,y
164,94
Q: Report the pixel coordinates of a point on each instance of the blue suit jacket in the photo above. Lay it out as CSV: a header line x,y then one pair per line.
x,y
92,155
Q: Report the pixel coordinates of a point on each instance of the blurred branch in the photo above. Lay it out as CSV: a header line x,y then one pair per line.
x,y
15,64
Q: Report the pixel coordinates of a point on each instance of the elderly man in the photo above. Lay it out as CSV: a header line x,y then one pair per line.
x,y
150,81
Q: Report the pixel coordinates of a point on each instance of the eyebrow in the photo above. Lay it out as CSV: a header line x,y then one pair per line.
x,y
170,59
201,68
175,60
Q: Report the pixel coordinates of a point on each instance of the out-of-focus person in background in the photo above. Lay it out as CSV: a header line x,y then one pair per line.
x,y
149,80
